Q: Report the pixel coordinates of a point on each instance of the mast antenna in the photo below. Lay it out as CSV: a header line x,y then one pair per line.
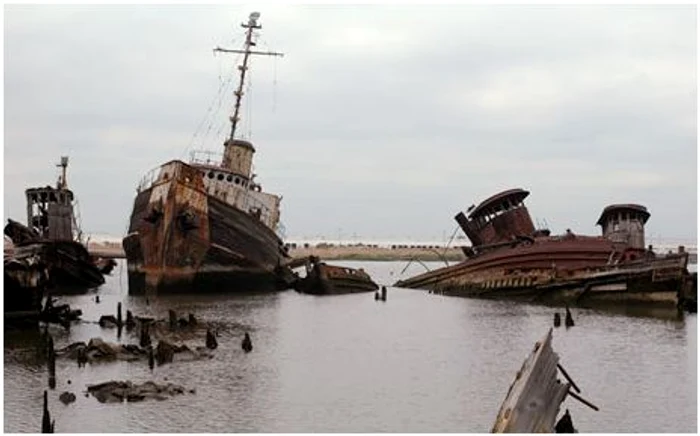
x,y
251,25
62,182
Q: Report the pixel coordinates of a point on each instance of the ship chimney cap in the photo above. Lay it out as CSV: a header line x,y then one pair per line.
x,y
627,207
239,143
514,195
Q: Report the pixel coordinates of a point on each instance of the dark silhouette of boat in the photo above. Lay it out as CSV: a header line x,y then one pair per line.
x,y
324,279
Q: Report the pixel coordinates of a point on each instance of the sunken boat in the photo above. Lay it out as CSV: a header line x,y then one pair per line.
x,y
207,225
510,258
324,279
51,242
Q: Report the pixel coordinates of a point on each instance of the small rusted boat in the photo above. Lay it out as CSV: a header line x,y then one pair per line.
x,y
324,279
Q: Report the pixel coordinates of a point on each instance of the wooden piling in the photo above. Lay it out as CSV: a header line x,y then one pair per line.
x,y
383,293
46,426
145,338
151,359
569,321
211,340
247,344
376,296
119,314
130,323
51,362
557,319
172,319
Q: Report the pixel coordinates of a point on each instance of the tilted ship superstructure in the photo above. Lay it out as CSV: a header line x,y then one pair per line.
x,y
207,226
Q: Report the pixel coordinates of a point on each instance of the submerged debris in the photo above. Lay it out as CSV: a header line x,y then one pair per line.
x,y
119,391
67,397
97,350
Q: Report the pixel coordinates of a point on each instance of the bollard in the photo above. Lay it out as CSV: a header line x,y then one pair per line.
x,y
557,319
569,321
247,344
211,340
46,425
383,293
51,363
173,319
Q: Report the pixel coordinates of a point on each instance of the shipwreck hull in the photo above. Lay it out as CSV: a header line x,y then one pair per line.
x,y
325,279
659,282
183,240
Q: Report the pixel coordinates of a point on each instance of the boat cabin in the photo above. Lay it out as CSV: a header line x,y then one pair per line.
x,y
499,218
624,223
50,210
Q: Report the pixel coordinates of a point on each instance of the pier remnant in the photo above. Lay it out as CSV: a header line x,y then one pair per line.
x,y
172,319
130,323
383,293
557,319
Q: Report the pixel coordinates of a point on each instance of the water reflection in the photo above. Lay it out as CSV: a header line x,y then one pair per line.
x,y
416,363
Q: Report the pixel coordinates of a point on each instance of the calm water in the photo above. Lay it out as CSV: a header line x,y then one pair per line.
x,y
416,363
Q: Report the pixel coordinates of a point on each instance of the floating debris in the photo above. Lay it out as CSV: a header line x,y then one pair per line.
x,y
120,391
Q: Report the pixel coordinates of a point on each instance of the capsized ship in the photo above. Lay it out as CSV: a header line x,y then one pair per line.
x,y
510,258
207,226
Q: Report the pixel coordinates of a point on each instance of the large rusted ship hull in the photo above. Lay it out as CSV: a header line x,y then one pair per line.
x,y
182,240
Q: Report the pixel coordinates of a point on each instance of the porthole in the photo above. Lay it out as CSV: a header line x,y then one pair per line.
x,y
211,174
229,178
220,176
238,181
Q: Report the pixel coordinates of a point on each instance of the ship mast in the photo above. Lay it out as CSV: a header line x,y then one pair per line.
x,y
250,26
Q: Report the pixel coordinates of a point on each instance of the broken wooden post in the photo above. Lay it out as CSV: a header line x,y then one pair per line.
x,y
376,296
151,359
82,356
145,338
557,319
119,314
51,363
247,344
569,321
173,319
130,323
383,293
97,299
191,320
46,426
211,340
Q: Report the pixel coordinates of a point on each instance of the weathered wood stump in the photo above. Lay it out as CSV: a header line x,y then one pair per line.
x,y
145,337
130,323
172,319
191,320
247,344
211,340
557,319
165,352
376,296
151,358
67,398
383,293
569,321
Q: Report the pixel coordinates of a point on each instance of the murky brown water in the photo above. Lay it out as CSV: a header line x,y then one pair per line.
x,y
417,363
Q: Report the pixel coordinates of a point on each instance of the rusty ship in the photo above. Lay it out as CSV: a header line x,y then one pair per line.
x,y
48,252
324,279
509,258
207,225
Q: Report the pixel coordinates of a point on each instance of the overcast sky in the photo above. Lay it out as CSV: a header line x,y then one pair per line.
x,y
379,121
